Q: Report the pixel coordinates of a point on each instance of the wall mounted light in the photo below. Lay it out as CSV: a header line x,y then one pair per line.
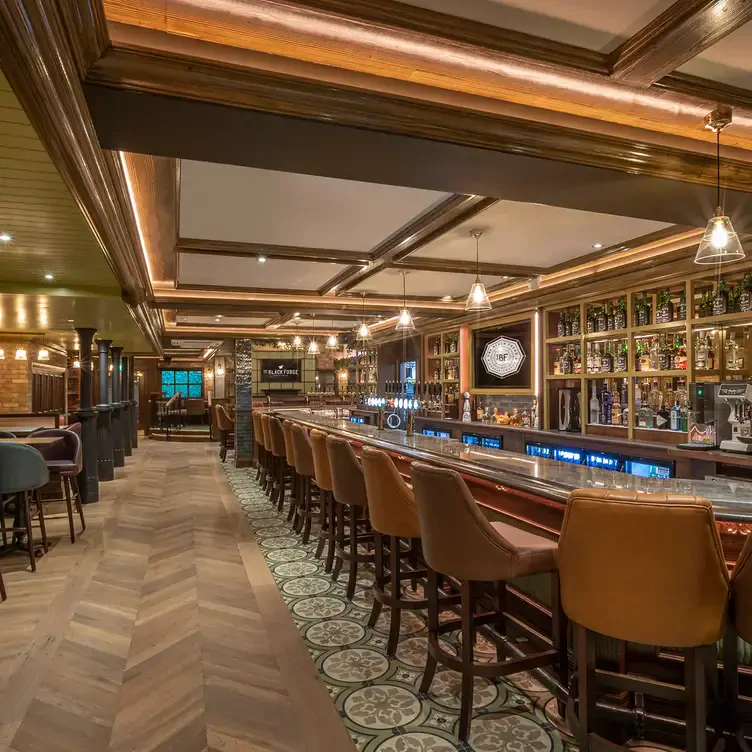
x,y
43,354
21,354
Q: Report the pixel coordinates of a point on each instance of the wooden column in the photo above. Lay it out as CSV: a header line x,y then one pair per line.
x,y
87,415
125,400
117,409
104,412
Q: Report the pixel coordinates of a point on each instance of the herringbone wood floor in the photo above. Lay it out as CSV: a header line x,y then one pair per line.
x,y
160,629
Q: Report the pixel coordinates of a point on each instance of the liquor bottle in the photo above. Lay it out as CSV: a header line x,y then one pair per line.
x,y
731,300
712,362
436,346
663,419
595,407
607,360
720,299
701,353
565,364
620,315
638,403
622,357
676,420
560,325
616,411
576,324
557,362
664,356
610,318
659,311
568,325
597,359
590,324
682,311
655,355
655,401
589,358
600,320
605,416
644,314
577,367
684,418
745,299
734,357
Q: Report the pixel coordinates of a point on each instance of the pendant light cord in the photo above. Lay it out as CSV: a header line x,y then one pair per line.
x,y
477,257
718,167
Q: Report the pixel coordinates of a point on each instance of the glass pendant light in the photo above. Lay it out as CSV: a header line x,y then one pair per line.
x,y
477,300
2,354
313,347
405,320
720,244
331,343
364,331
297,343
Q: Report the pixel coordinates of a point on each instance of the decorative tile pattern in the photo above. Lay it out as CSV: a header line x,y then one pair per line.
x,y
377,697
243,402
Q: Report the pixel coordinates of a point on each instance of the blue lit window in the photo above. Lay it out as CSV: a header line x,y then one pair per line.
x,y
188,383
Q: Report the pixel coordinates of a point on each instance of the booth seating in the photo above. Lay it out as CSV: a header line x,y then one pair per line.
x,y
349,494
290,457
307,508
258,441
323,476
394,518
460,543
279,453
647,569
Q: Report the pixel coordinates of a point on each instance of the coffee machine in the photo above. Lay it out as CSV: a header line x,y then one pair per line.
x,y
738,396
569,410
702,418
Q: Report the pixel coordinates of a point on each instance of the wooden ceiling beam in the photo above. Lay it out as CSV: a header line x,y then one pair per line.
x,y
458,267
254,250
677,35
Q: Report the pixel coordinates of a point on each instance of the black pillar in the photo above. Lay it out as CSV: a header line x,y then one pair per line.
x,y
104,411
134,404
118,455
89,476
125,399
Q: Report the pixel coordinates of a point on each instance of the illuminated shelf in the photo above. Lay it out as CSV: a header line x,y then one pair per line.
x,y
617,427
607,374
649,328
610,334
559,340
648,374
727,318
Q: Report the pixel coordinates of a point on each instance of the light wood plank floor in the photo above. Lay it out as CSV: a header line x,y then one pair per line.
x,y
160,629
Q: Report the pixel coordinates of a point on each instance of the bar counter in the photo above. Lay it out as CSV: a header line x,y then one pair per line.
x,y
533,491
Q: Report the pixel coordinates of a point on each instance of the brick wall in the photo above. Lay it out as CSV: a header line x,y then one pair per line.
x,y
243,402
15,378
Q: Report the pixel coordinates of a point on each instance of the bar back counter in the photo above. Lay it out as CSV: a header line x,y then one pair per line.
x,y
532,493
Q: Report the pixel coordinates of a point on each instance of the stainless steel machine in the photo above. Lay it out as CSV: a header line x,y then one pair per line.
x,y
736,432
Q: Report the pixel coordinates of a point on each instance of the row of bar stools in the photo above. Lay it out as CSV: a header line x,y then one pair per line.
x,y
327,516
459,542
290,456
350,496
394,518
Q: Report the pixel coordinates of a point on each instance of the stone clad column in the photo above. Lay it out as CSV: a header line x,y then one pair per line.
x,y
104,413
87,415
125,414
133,386
117,429
243,402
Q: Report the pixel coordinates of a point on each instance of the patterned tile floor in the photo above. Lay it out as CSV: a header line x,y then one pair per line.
x,y
378,698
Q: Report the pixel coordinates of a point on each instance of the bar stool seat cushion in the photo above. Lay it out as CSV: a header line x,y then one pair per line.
x,y
321,467
535,554
614,580
22,468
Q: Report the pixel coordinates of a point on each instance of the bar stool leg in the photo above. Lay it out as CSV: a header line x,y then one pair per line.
x,y
291,512
29,530
586,686
333,516
468,642
259,461
307,516
378,542
69,505
559,629
501,622
432,587
694,678
354,517
324,508
40,512
3,594
79,505
340,540
395,611
280,481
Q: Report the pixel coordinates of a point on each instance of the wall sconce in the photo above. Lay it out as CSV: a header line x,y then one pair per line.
x,y
43,354
21,354
77,364
2,354
209,374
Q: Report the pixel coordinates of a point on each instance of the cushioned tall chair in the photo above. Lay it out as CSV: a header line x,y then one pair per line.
x,y
22,473
7,435
323,476
65,461
459,542
394,518
226,431
290,452
277,438
258,443
306,470
349,494
647,569
739,625
268,480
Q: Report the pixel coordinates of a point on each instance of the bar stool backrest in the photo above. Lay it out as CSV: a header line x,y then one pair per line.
x,y
258,435
457,538
645,568
289,451
323,472
213,413
226,423
348,483
277,437
7,435
741,591
22,468
265,432
301,446
391,503
68,450
75,428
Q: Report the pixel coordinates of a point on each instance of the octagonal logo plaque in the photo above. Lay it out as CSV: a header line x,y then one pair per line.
x,y
503,357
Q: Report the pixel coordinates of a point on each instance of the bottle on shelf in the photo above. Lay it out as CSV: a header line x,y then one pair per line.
x,y
745,299
701,352
589,358
654,355
665,311
620,315
601,323
595,407
568,325
616,408
681,314
596,358
622,357
712,362
676,420
720,299
577,365
560,325
734,354
576,324
607,360
605,416
644,311
664,355
610,317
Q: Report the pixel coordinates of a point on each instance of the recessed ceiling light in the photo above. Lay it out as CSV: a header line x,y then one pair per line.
x,y
262,259
49,276
70,321
297,315
5,237
447,298
597,245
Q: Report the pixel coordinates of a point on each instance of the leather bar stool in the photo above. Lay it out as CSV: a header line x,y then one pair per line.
x,y
7,435
739,625
647,569
269,466
394,517
460,543
226,431
258,441
64,460
349,493
23,472
290,452
306,470
323,477
279,450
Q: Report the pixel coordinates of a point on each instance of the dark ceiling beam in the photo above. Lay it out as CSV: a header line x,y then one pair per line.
x,y
423,229
677,35
458,267
254,250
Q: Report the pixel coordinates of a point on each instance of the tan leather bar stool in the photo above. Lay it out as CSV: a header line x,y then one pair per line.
x,y
739,625
290,452
394,517
268,481
306,471
323,477
349,492
279,450
226,432
648,569
258,440
460,543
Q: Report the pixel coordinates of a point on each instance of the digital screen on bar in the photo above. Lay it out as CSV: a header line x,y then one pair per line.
x,y
429,432
444,434
538,450
572,456
605,461
491,442
647,469
356,420
471,439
